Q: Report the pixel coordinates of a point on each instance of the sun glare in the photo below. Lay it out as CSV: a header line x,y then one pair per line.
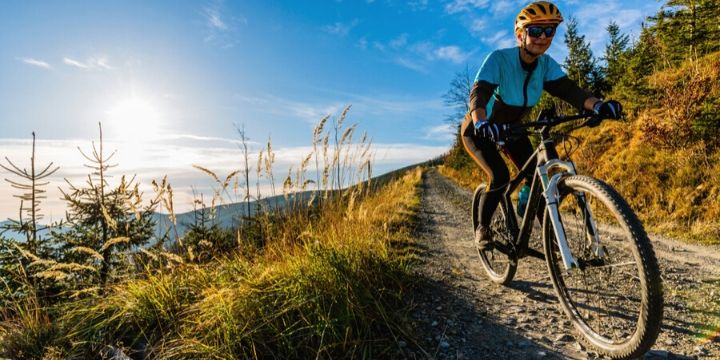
x,y
134,119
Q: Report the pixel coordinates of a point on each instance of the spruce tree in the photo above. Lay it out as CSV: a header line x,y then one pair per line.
x,y
615,51
104,221
687,29
579,63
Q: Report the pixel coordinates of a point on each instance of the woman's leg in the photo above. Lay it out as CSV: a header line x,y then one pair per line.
x,y
519,149
485,154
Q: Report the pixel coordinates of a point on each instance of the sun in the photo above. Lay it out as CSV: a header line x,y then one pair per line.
x,y
134,119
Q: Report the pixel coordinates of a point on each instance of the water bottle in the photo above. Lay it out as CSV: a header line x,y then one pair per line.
x,y
523,200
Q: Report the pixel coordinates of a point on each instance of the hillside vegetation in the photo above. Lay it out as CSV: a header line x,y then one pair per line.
x,y
324,276
664,158
336,290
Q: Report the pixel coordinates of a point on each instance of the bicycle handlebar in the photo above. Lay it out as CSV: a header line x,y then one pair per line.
x,y
544,121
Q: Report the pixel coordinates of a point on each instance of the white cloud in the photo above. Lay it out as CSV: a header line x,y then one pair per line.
x,y
90,63
410,64
505,7
478,25
418,5
456,6
214,21
593,18
219,28
444,132
308,112
362,43
340,28
501,39
451,53
399,41
154,161
36,62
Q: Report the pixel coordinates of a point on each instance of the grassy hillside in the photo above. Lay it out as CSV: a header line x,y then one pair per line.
x,y
334,286
661,160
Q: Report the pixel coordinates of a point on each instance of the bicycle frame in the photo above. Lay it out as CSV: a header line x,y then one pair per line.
x,y
549,170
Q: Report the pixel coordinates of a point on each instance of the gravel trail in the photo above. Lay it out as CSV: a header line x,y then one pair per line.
x,y
465,316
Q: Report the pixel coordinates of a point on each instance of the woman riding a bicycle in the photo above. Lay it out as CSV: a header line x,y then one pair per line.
x,y
508,84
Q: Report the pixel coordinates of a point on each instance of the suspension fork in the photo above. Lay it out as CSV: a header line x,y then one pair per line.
x,y
552,199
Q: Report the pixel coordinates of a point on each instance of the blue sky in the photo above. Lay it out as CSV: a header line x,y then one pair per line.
x,y
171,80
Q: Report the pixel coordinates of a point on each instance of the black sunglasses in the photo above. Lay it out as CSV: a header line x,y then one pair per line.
x,y
536,31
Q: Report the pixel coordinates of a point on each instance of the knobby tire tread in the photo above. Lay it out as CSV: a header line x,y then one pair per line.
x,y
651,314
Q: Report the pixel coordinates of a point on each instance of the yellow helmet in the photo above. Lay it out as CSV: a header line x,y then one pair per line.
x,y
539,12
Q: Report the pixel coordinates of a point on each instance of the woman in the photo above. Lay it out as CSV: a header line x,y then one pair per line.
x,y
508,84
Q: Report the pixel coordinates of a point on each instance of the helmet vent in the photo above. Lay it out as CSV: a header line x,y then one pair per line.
x,y
552,8
542,8
531,11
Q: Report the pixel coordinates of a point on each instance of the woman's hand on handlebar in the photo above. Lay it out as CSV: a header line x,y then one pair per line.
x,y
492,131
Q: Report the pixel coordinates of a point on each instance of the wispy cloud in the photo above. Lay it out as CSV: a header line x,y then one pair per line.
x,y
500,39
36,62
444,132
307,111
457,6
593,18
340,28
90,64
505,7
419,56
220,28
410,64
214,20
418,5
386,105
451,53
399,41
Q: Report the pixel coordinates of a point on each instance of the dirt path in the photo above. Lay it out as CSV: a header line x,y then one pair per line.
x,y
465,316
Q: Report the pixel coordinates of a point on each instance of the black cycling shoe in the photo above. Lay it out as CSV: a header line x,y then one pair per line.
x,y
483,238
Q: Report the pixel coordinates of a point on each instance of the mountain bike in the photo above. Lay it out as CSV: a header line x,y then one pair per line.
x,y
600,259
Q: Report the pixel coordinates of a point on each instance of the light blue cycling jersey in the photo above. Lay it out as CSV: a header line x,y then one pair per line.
x,y
516,87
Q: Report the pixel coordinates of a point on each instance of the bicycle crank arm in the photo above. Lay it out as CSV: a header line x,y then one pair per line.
x,y
534,253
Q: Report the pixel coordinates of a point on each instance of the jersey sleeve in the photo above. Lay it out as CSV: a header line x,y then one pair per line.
x,y
490,70
553,71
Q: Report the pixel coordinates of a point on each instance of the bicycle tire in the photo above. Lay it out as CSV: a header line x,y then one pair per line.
x,y
630,325
499,267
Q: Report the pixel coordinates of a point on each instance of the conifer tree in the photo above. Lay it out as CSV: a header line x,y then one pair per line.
x,y
33,192
16,274
579,63
104,221
687,28
641,60
615,51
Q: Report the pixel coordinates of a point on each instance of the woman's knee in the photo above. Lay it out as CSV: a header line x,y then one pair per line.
x,y
499,176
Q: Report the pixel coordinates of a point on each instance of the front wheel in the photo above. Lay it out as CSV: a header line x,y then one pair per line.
x,y
615,298
499,263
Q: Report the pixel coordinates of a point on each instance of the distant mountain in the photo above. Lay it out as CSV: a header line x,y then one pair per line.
x,y
229,215
226,216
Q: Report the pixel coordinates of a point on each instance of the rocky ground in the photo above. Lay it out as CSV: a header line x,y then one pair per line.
x,y
465,316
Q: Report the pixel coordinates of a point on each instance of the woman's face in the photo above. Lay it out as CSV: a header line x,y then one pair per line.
x,y
536,44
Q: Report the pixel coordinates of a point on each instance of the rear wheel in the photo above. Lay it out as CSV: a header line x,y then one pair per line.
x,y
499,262
615,298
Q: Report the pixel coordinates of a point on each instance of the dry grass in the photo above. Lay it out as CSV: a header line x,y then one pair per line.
x,y
327,279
